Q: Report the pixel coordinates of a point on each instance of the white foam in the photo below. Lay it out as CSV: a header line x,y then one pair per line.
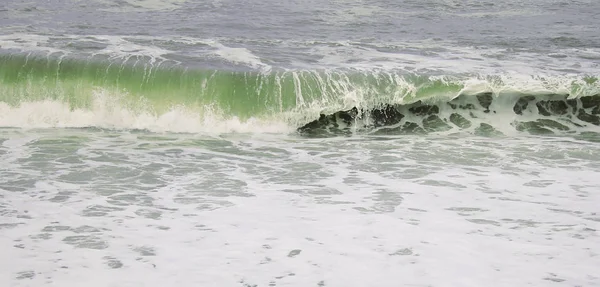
x,y
238,55
108,112
117,47
409,211
121,47
448,57
28,43
574,86
424,56
143,49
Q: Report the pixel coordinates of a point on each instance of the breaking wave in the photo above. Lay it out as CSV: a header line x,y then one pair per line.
x,y
46,92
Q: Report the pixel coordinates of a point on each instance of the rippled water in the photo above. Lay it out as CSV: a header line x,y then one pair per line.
x,y
433,36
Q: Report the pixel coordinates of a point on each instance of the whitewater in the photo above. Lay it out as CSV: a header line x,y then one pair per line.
x,y
311,143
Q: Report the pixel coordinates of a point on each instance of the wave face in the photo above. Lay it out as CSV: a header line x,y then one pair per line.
x,y
41,92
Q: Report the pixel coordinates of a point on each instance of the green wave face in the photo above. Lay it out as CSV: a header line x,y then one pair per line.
x,y
244,94
290,97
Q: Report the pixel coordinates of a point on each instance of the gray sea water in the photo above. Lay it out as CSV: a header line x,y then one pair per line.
x,y
173,190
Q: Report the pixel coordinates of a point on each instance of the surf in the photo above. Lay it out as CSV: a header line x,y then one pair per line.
x,y
136,93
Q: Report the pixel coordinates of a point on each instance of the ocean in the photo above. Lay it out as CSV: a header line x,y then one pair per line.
x,y
299,143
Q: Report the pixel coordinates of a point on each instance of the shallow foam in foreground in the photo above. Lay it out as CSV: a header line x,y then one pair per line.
x,y
42,92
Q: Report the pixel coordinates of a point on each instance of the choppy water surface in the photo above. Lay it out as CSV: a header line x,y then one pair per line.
x,y
299,143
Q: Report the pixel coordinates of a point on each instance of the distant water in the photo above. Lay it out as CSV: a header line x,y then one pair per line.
x,y
299,143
